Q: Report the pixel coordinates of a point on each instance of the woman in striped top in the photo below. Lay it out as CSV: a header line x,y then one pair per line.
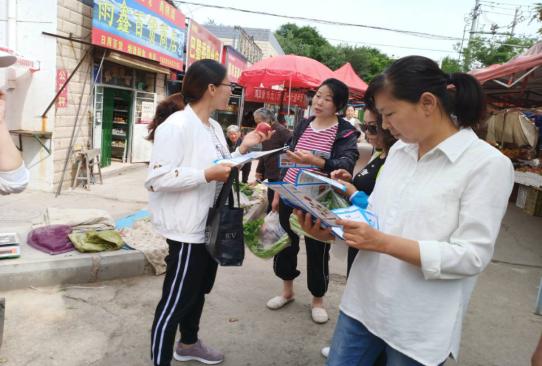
x,y
327,143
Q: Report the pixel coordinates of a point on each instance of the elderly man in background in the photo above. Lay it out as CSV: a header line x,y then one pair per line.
x,y
268,166
14,176
234,139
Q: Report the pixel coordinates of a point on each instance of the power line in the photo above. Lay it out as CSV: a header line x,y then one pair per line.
x,y
330,22
509,4
390,45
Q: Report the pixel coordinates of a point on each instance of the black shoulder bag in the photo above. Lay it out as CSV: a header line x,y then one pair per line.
x,y
224,238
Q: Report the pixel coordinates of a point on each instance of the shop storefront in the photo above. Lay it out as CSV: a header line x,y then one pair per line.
x,y
145,42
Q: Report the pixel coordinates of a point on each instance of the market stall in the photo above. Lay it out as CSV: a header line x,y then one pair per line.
x,y
284,81
514,92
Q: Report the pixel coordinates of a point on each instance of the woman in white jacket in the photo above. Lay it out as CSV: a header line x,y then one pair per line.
x,y
183,184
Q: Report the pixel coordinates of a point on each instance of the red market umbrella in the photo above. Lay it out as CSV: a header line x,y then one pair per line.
x,y
517,82
290,70
347,75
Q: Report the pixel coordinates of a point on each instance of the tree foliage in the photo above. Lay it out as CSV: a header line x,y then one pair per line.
x,y
307,41
450,65
482,52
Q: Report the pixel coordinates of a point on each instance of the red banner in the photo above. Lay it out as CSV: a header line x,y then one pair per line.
x,y
201,44
61,77
234,61
271,96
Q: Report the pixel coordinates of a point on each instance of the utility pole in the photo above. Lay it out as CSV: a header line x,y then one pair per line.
x,y
473,26
474,23
514,22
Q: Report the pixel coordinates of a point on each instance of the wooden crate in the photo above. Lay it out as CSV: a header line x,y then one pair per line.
x,y
533,203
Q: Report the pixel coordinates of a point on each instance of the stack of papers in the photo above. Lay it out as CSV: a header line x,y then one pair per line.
x,y
243,159
301,200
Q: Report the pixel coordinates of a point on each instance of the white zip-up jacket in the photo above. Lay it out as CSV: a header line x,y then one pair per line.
x,y
180,197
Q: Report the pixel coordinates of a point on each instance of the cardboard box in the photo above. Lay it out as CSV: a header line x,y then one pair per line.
x,y
533,202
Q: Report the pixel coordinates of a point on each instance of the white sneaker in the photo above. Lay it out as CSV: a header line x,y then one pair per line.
x,y
325,352
319,315
278,302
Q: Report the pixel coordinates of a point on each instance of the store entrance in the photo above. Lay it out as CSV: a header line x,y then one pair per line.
x,y
116,126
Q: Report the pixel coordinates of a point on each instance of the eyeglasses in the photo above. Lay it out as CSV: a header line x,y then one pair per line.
x,y
232,86
370,128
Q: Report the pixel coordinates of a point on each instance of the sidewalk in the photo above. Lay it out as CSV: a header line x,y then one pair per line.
x,y
107,323
120,195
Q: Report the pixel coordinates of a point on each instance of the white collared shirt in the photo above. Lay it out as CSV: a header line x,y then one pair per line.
x,y
451,201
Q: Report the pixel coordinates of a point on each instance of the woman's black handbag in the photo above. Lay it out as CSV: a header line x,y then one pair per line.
x,y
224,238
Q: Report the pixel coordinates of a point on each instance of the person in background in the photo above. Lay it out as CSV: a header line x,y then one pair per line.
x,y
183,183
350,115
440,199
328,143
234,139
268,166
14,176
536,359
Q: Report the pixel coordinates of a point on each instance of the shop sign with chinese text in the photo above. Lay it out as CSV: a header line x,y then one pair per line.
x,y
234,61
151,29
201,44
61,78
271,96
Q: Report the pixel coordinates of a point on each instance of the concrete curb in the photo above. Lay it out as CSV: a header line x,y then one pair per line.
x,y
75,269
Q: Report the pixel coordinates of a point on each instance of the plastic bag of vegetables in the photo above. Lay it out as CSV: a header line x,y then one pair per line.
x,y
265,238
330,199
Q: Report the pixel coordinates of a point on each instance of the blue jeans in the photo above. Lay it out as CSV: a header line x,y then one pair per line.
x,y
355,345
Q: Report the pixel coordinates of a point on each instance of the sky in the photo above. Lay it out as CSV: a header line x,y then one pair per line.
x,y
444,17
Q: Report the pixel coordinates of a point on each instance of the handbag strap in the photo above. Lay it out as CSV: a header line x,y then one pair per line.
x,y
226,192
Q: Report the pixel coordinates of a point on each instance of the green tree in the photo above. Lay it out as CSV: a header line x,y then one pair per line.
x,y
451,65
482,52
307,41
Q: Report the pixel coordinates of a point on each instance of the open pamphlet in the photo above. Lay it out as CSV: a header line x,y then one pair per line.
x,y
253,155
308,178
296,197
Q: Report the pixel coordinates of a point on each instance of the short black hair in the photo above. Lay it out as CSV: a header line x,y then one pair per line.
x,y
339,91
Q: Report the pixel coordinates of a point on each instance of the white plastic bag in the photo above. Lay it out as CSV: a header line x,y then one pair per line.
x,y
271,230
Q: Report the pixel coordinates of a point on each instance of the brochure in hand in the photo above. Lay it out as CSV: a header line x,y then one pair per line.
x,y
306,177
301,200
254,155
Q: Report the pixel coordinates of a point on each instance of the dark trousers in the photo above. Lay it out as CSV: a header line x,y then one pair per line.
x,y
190,274
285,263
270,195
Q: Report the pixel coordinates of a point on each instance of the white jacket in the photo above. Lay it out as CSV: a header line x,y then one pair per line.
x,y
14,181
180,197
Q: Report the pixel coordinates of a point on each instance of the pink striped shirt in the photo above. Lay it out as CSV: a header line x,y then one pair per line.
x,y
311,139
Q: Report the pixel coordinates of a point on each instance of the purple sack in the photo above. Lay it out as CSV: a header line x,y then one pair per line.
x,y
52,239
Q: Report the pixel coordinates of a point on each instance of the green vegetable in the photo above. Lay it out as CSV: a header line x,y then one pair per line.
x,y
246,189
251,232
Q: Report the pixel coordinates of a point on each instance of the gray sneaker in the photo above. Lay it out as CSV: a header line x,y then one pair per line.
x,y
198,352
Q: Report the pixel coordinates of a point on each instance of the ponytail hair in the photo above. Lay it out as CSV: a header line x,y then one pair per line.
x,y
173,103
409,77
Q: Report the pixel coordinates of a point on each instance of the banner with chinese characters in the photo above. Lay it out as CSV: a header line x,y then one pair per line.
x,y
234,61
61,77
151,29
201,44
271,96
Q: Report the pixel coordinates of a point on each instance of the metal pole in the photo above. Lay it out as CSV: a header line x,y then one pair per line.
x,y
515,22
44,115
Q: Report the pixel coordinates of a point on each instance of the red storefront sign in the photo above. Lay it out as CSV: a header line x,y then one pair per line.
x,y
151,29
234,61
271,96
61,77
201,44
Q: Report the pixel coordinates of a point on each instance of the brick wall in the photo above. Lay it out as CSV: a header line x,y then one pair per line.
x,y
74,17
